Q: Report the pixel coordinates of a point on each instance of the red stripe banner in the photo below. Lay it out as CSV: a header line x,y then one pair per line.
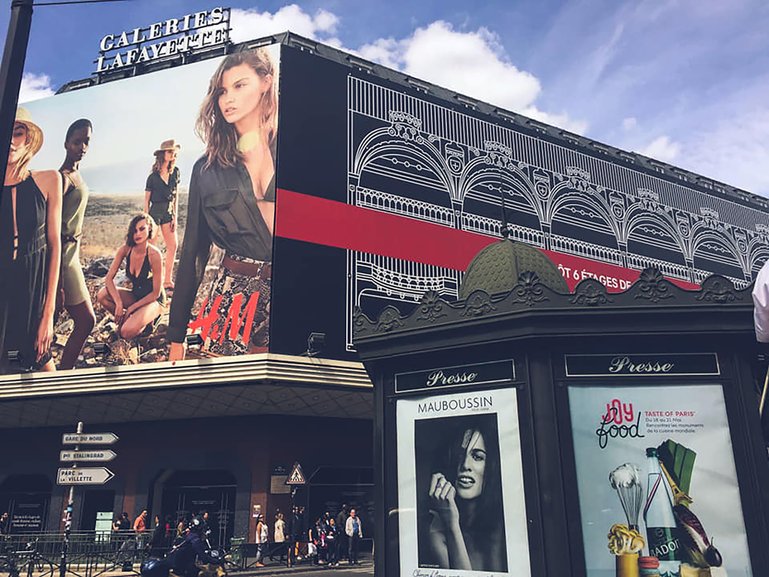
x,y
331,223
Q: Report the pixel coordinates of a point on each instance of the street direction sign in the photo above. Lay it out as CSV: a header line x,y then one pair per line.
x,y
84,476
89,438
93,455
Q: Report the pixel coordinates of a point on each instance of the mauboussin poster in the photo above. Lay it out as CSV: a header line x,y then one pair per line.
x,y
460,486
657,483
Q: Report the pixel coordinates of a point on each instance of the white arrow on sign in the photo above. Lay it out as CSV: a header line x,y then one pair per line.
x,y
89,438
84,476
93,455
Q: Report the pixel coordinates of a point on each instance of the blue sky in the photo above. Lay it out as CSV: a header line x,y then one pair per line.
x,y
684,81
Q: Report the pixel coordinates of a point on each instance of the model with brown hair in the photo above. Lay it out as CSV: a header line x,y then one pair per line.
x,y
232,205
136,308
161,201
465,503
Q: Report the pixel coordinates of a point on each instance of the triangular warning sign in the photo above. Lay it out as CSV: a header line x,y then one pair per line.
x,y
296,476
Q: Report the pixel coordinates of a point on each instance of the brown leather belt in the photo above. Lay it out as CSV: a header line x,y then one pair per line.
x,y
256,269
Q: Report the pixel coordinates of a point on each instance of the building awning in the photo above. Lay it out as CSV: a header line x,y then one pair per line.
x,y
261,385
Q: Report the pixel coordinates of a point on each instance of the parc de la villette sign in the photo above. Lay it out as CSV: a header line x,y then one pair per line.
x,y
163,39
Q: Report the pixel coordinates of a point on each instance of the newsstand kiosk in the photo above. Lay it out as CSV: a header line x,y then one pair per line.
x,y
525,430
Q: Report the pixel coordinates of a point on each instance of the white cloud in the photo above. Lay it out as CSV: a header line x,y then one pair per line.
x,y
562,120
35,87
469,62
662,148
629,123
472,63
250,24
385,51
733,149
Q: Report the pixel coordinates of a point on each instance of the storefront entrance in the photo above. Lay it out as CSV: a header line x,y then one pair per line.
x,y
26,499
190,493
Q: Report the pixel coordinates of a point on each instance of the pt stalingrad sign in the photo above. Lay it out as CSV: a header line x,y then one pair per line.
x,y
162,39
91,455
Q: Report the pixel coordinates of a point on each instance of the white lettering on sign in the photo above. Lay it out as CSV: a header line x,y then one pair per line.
x,y
97,455
189,25
84,476
625,365
89,438
438,377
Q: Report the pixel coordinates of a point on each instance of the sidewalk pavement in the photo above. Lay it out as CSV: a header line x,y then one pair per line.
x,y
279,569
269,569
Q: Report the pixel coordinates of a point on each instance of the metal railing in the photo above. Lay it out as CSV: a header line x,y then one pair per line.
x,y
94,553
90,553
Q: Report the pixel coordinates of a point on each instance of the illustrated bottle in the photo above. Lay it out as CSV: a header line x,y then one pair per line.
x,y
649,567
661,530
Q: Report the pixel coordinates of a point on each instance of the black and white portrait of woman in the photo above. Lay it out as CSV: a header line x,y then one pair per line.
x,y
460,513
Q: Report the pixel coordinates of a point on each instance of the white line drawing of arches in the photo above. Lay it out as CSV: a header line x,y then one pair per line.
x,y
592,206
758,253
501,185
702,234
661,220
397,204
423,160
540,179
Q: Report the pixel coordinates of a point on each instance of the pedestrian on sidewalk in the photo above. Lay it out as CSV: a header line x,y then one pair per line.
x,y
341,520
262,539
158,540
332,542
279,536
354,530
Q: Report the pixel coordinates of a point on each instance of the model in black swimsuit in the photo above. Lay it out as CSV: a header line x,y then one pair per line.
x,y
141,283
136,309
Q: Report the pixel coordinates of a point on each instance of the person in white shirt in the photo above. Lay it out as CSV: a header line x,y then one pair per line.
x,y
761,304
262,538
354,530
761,326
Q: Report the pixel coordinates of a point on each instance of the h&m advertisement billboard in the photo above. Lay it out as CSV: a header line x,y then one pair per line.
x,y
167,218
286,189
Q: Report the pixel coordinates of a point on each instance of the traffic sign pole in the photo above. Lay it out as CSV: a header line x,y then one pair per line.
x,y
75,475
68,516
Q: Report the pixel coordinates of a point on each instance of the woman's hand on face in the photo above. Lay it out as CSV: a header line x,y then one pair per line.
x,y
44,337
442,499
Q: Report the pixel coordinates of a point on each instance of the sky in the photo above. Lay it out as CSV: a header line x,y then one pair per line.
x,y
682,81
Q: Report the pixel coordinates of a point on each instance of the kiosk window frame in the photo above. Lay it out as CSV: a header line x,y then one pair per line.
x,y
733,403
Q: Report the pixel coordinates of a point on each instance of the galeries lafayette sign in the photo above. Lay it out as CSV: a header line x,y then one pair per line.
x,y
162,39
